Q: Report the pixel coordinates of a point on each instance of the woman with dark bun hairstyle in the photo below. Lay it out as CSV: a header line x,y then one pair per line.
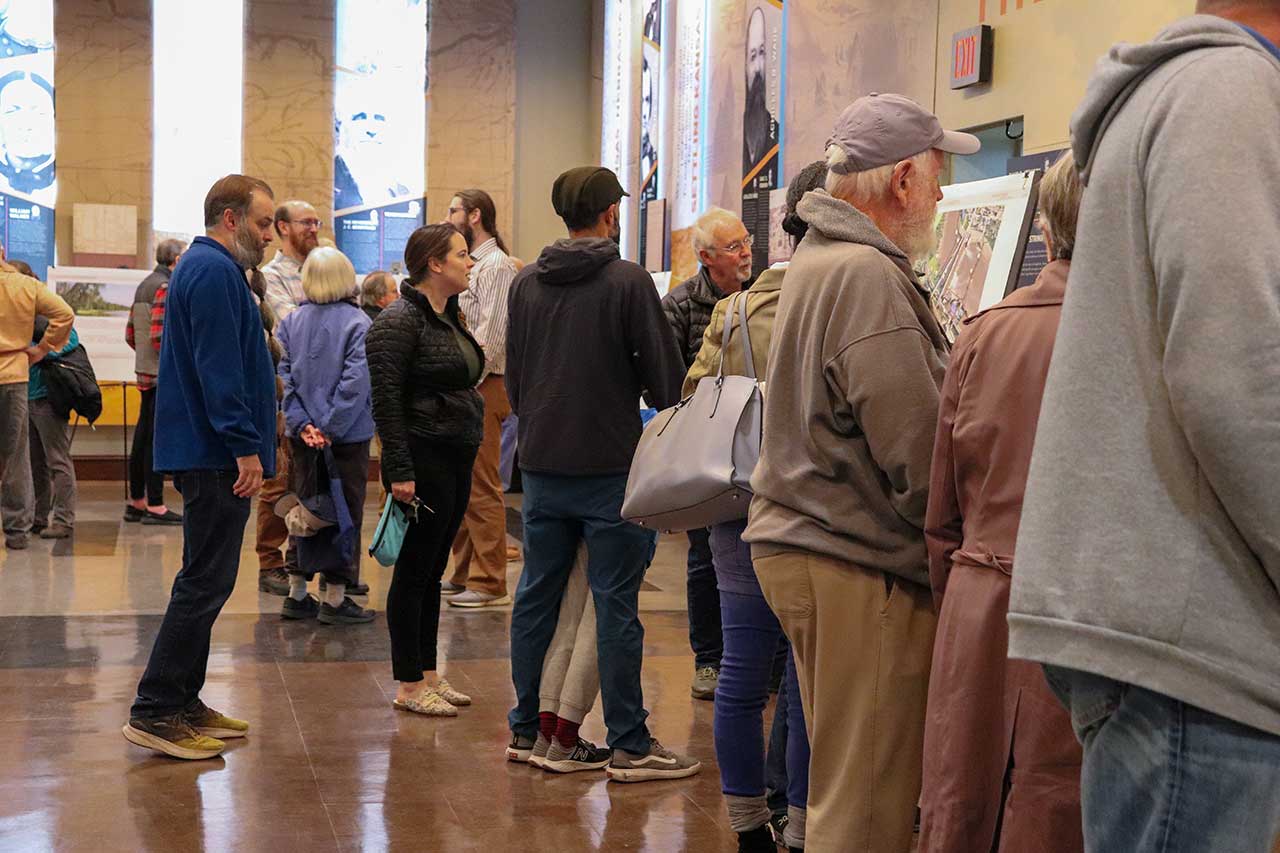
x,y
751,631
424,366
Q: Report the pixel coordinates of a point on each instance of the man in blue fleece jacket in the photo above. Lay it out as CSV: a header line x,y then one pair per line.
x,y
217,402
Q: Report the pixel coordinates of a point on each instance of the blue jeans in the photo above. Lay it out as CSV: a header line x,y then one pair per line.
x,y
213,521
704,602
559,512
751,637
1162,776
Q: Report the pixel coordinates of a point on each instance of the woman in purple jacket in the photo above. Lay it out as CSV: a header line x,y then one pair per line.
x,y
328,416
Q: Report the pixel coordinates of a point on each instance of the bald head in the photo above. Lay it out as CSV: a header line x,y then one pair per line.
x,y
298,226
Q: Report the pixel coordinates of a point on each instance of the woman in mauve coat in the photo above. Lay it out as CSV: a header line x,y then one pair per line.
x,y
1001,763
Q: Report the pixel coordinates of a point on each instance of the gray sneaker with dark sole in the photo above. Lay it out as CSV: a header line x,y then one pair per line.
x,y
658,763
348,613
584,755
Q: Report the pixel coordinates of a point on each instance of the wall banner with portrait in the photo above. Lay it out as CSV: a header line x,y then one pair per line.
x,y
380,128
982,235
28,186
652,256
762,121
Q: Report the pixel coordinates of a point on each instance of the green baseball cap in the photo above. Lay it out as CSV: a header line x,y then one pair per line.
x,y
585,190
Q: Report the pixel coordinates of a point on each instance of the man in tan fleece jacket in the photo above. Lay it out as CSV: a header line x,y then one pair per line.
x,y
836,527
21,300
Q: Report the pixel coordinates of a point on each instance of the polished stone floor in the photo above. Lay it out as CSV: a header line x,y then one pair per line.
x,y
329,764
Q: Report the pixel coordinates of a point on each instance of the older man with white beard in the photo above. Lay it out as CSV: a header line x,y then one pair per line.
x,y
836,526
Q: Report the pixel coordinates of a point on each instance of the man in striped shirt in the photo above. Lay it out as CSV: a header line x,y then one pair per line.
x,y
480,549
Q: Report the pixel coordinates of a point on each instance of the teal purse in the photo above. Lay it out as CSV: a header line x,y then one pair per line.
x,y
388,538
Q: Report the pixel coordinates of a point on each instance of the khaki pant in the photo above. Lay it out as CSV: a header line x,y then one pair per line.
x,y
862,656
570,674
480,548
272,533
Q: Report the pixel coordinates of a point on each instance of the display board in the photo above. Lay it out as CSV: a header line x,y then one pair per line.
x,y
28,186
686,188
762,122
380,128
1036,255
982,232
616,117
102,299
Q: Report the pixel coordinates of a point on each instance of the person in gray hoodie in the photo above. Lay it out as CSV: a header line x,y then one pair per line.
x,y
1149,547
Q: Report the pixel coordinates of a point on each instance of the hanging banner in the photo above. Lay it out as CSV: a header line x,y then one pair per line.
x,y
652,253
380,128
615,126
687,168
762,122
28,186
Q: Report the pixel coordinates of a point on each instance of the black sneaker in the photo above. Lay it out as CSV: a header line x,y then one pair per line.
x,y
520,748
307,608
274,581
758,840
658,763
132,514
168,518
347,613
38,527
584,755
17,542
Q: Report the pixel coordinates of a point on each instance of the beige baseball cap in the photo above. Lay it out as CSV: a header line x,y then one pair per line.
x,y
880,130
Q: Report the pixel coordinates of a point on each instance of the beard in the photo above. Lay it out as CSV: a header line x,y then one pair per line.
x,y
755,120
303,243
248,249
469,234
918,236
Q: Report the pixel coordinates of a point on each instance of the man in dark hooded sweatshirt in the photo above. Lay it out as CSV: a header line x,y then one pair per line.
x,y
1149,545
586,337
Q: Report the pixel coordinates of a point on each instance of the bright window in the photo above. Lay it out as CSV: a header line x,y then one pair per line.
x,y
197,106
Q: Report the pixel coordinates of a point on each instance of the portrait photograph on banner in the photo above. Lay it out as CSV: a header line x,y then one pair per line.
x,y
652,234
379,126
28,178
761,122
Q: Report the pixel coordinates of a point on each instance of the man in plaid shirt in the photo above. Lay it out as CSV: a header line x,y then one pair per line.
x,y
146,487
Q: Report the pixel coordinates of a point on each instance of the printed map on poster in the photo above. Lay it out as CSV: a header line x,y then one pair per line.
x,y
982,231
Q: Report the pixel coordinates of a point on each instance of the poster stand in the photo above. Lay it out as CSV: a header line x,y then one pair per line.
x,y
124,429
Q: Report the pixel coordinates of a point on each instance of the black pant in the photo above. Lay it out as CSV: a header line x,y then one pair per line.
x,y
442,480
308,476
212,533
141,474
705,637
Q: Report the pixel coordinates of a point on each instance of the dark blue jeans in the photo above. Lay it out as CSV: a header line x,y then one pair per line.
x,y
1162,776
559,512
751,637
704,602
213,523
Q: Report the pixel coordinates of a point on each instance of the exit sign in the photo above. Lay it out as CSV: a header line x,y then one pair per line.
x,y
971,56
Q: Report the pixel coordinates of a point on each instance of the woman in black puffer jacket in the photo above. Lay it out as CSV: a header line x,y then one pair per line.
x,y
424,366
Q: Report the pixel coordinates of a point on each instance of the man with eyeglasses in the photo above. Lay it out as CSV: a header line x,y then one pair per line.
x,y
298,227
724,250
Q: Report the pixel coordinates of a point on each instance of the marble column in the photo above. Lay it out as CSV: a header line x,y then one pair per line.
x,y
288,100
471,104
102,71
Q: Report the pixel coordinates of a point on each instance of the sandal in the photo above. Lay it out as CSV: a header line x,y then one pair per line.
x,y
453,697
428,703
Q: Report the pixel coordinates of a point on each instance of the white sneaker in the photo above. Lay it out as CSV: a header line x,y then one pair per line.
x,y
471,598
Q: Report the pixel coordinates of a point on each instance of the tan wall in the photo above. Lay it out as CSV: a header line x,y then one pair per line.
x,y
471,109
288,100
102,71
1044,55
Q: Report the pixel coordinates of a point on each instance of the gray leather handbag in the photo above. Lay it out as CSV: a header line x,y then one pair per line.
x,y
693,465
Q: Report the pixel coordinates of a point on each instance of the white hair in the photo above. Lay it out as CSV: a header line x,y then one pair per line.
x,y
328,276
859,188
704,230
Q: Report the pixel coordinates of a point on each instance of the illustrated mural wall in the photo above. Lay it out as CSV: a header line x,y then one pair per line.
x,y
380,129
28,177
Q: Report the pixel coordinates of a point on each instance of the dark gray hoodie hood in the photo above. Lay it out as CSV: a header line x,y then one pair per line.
x,y
1119,73
570,261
